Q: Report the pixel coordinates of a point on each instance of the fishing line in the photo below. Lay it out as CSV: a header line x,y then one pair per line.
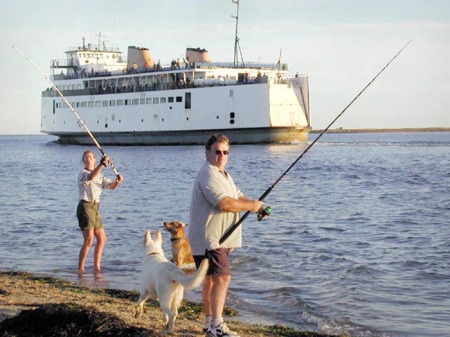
x,y
232,228
80,121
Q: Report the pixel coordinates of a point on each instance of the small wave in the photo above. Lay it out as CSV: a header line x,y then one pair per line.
x,y
254,262
332,229
361,270
340,327
433,276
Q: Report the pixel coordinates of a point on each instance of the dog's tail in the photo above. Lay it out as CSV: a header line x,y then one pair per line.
x,y
194,281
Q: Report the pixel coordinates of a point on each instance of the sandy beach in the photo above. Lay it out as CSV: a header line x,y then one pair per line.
x,y
32,305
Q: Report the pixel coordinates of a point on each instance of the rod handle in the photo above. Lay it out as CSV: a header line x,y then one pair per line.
x,y
232,228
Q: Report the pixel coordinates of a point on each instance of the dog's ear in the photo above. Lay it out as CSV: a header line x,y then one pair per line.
x,y
147,237
158,236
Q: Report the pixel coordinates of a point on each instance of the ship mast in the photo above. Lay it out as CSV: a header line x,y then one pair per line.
x,y
236,39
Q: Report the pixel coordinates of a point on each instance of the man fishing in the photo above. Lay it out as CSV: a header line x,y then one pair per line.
x,y
215,205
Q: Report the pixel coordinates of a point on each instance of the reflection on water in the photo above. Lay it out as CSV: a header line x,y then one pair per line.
x,y
94,279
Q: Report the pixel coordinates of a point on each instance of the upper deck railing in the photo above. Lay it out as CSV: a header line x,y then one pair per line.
x,y
109,88
69,64
93,49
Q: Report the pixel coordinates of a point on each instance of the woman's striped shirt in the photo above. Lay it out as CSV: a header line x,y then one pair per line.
x,y
90,190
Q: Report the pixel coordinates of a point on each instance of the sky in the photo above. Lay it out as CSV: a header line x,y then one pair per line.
x,y
340,44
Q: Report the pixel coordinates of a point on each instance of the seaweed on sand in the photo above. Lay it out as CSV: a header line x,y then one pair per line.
x,y
68,320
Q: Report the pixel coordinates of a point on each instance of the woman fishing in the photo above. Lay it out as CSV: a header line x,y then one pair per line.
x,y
91,183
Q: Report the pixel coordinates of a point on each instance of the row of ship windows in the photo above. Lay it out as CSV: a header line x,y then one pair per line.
x,y
94,55
122,102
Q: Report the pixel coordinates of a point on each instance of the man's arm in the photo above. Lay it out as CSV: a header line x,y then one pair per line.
x,y
229,204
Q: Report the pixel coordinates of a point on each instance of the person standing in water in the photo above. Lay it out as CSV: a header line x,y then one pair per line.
x,y
91,183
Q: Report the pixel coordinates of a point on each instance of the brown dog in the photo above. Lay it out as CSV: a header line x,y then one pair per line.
x,y
181,249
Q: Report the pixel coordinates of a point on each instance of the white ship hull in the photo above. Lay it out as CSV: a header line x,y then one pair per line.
x,y
177,105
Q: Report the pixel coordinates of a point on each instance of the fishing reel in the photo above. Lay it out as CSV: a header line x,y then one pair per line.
x,y
265,212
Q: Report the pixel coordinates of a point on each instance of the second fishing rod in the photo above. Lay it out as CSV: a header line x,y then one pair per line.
x,y
268,210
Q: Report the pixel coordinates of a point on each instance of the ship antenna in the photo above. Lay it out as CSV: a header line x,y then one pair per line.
x,y
233,227
236,38
279,63
80,121
99,41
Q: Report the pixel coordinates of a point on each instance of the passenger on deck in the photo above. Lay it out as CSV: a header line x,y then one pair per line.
x,y
186,63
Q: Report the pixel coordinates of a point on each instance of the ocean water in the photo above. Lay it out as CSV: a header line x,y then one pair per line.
x,y
358,241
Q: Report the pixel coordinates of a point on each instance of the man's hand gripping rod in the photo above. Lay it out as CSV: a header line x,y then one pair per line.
x,y
232,228
80,121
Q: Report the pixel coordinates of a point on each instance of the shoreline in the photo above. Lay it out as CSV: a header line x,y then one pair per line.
x,y
343,130
32,305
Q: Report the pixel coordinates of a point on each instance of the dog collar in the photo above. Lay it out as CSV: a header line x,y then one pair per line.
x,y
174,239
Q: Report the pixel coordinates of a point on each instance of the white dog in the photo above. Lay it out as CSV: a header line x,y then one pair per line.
x,y
164,281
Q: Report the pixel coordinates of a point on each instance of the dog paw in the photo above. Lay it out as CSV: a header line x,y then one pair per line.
x,y
168,331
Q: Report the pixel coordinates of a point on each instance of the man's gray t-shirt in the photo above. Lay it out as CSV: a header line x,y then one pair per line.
x,y
207,223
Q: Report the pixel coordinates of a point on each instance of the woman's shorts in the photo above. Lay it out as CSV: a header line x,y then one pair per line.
x,y
88,215
219,263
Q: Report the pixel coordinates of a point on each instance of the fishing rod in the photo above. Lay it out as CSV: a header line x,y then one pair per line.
x,y
80,121
267,211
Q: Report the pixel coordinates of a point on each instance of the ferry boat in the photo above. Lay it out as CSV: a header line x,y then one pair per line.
x,y
140,101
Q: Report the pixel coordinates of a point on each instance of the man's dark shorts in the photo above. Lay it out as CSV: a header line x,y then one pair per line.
x,y
88,215
219,263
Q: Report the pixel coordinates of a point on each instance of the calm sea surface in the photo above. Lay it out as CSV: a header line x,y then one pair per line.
x,y
358,240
